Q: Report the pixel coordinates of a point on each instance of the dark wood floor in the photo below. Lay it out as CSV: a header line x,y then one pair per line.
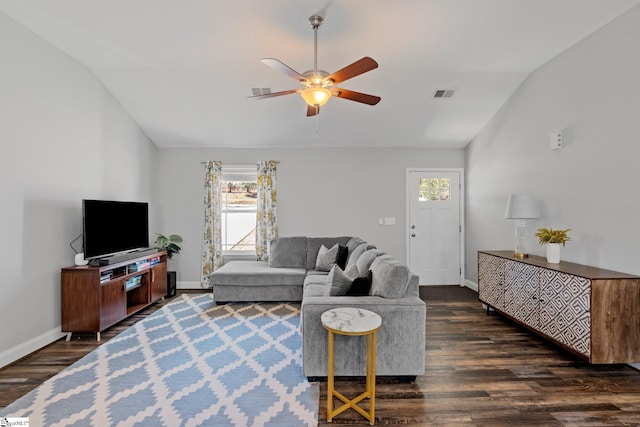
x,y
480,371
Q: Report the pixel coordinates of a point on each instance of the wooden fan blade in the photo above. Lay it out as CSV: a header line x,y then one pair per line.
x,y
359,67
279,66
271,95
312,110
355,96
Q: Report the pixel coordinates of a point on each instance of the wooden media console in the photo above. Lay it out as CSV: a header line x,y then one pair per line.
x,y
94,298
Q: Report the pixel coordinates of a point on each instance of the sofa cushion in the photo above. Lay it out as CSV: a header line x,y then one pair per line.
x,y
338,283
316,272
354,254
365,260
326,258
390,277
315,279
288,252
313,247
361,285
315,290
354,242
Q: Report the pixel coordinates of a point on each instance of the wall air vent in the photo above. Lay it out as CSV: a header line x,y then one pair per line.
x,y
260,91
444,93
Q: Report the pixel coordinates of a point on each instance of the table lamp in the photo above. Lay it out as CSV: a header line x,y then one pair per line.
x,y
521,207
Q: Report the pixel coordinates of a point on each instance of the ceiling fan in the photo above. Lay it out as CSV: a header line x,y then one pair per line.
x,y
318,85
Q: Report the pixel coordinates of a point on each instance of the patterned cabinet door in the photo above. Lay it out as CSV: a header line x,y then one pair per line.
x,y
521,292
565,309
491,280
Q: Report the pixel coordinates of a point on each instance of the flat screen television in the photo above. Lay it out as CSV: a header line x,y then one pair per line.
x,y
111,227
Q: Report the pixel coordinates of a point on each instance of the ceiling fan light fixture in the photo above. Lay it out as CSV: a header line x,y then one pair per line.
x,y
318,85
316,95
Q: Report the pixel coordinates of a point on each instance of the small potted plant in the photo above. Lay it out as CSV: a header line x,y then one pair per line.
x,y
553,239
170,244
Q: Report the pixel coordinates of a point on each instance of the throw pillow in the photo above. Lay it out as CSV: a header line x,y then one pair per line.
x,y
352,271
341,258
361,285
338,283
326,258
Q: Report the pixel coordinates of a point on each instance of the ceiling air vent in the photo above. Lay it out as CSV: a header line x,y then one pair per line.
x,y
260,91
444,93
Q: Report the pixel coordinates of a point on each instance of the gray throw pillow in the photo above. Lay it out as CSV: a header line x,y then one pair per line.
x,y
338,283
352,271
326,257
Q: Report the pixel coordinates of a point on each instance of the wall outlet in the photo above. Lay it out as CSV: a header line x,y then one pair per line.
x,y
380,221
555,141
390,221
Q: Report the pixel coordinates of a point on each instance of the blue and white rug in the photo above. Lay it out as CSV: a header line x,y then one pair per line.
x,y
191,363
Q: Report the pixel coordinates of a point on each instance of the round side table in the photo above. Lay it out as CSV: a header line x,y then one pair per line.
x,y
353,322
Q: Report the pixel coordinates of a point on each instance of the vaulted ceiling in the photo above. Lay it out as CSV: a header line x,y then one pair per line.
x,y
184,69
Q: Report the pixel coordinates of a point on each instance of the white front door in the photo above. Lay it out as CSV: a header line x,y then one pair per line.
x,y
434,228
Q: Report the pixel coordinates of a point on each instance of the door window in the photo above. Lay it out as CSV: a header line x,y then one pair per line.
x,y
434,189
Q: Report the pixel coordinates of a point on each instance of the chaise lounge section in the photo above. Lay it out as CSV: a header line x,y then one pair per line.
x,y
256,281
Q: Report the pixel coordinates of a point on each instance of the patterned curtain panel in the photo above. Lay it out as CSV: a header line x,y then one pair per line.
x,y
212,248
266,215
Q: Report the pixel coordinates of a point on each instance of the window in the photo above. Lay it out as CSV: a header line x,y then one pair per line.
x,y
433,189
238,216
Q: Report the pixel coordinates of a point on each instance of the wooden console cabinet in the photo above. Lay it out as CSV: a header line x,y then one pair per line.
x,y
94,298
592,312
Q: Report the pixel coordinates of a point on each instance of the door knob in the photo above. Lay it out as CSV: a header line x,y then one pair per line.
x,y
413,234
413,226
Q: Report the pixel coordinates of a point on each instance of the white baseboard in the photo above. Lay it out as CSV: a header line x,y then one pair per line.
x,y
471,285
15,353
189,285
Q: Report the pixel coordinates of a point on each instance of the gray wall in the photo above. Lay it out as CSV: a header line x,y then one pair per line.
x,y
591,93
64,138
321,192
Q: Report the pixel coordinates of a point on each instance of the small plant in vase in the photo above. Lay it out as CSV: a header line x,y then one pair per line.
x,y
553,239
169,244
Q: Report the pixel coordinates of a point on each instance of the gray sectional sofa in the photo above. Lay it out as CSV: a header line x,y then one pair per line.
x,y
302,269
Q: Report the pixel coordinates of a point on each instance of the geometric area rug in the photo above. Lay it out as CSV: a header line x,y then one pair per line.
x,y
190,363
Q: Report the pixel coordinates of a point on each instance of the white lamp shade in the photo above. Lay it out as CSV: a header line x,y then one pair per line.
x,y
316,95
522,206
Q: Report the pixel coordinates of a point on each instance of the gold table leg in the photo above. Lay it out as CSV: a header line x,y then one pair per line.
x,y
330,390
371,362
370,383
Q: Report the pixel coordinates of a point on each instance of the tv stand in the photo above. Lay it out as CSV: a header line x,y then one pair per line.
x,y
95,297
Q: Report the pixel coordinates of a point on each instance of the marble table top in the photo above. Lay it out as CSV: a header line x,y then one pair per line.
x,y
351,320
